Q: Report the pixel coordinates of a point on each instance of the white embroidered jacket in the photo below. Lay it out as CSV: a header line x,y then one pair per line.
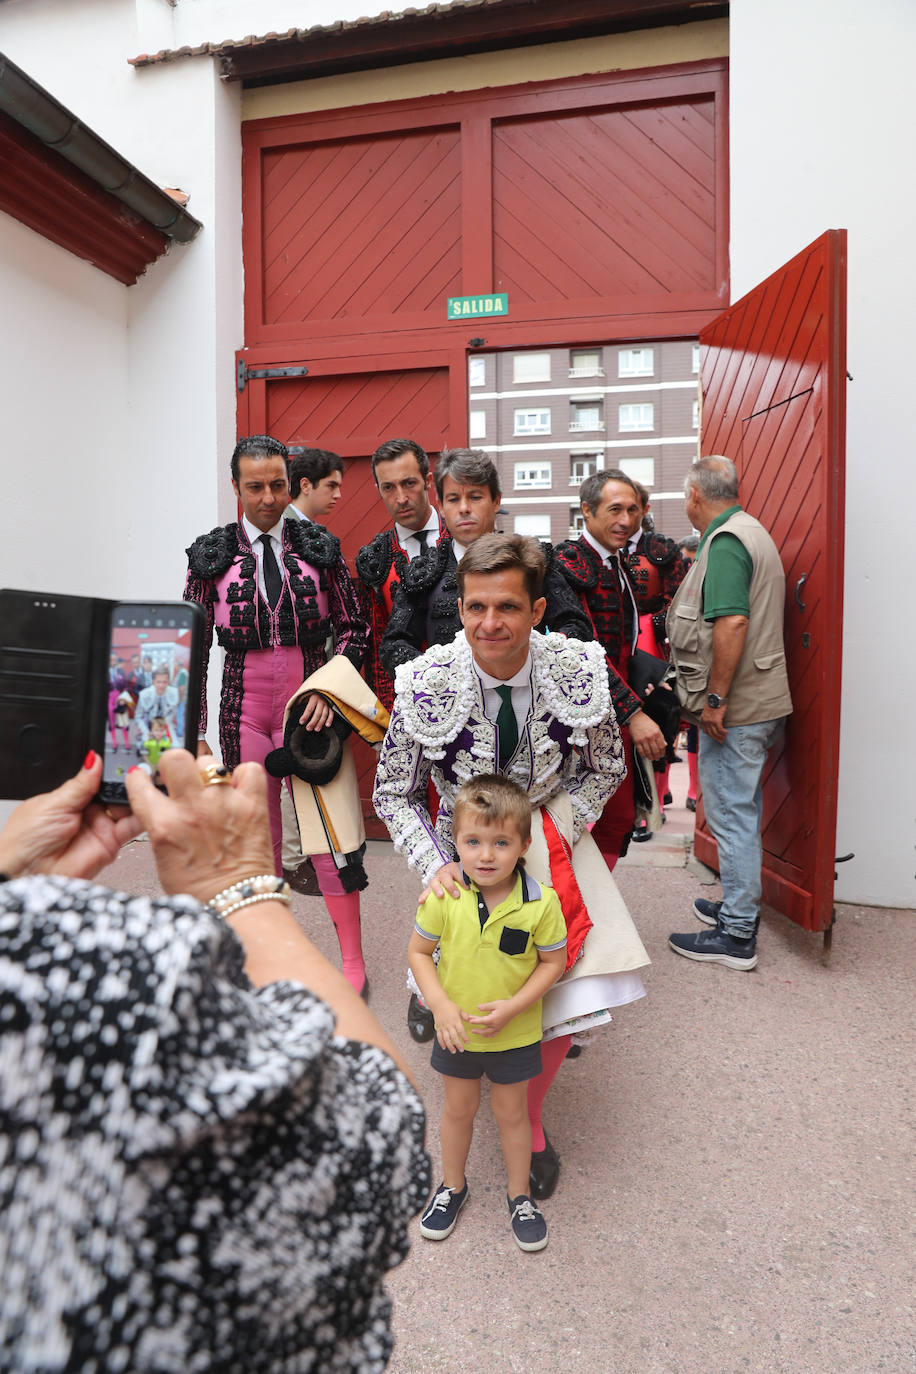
x,y
570,741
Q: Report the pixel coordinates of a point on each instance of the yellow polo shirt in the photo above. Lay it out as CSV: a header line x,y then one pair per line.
x,y
484,965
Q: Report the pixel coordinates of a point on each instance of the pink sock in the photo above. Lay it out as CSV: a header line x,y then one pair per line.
x,y
553,1052
345,915
344,909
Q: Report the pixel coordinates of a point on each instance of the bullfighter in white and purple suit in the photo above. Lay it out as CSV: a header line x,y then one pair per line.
x,y
564,749
273,606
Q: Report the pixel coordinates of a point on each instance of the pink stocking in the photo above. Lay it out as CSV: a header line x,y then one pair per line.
x,y
553,1052
693,775
344,910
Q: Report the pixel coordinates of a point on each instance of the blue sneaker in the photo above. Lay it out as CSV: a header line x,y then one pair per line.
x,y
716,947
528,1224
707,911
438,1221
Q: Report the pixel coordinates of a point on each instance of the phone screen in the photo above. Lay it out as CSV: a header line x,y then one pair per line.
x,y
151,660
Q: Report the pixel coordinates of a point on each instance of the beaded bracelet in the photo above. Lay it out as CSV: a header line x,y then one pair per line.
x,y
267,887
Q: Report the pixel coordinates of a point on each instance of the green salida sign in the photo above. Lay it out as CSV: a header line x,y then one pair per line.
x,y
473,307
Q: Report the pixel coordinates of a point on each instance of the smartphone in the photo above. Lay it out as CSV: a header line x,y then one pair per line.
x,y
67,685
152,698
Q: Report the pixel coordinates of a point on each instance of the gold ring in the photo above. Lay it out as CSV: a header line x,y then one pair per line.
x,y
215,775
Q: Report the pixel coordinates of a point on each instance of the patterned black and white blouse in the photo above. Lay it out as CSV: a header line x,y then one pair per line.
x,y
195,1175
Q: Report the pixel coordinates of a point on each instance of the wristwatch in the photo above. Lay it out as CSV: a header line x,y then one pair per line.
x,y
715,701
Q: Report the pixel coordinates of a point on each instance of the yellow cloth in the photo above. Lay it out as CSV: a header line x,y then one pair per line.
x,y
330,817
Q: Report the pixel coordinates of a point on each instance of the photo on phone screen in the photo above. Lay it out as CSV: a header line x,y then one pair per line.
x,y
153,674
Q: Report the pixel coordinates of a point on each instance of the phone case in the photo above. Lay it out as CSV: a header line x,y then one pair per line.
x,y
50,691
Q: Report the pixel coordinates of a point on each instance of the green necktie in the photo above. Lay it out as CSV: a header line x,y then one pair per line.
x,y
507,726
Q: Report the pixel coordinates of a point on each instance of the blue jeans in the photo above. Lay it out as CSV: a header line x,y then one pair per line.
x,y
731,776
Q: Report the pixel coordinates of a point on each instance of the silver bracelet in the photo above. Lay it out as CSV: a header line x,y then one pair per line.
x,y
267,887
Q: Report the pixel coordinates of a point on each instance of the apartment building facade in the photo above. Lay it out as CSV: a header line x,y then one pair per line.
x,y
551,417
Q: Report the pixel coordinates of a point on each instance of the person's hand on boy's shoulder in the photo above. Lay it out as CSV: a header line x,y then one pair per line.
x,y
447,879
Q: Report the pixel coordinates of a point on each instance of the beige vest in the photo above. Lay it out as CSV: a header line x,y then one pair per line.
x,y
760,687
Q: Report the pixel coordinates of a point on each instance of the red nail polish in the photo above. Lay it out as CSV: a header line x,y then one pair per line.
x,y
90,759
135,769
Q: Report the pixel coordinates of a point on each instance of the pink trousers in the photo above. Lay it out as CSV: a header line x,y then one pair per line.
x,y
271,677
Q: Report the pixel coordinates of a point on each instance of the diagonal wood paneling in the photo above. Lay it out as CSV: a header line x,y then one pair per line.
x,y
773,374
352,414
363,226
605,202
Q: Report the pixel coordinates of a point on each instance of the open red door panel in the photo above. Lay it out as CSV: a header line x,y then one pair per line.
x,y
773,376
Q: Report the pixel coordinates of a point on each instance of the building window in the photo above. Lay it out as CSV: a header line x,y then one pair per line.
x,y
696,357
576,521
582,466
532,475
477,371
531,367
636,362
477,424
532,422
585,415
640,469
696,415
537,526
585,363
637,417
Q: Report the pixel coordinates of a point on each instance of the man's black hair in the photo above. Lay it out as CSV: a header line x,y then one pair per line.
x,y
312,465
396,448
256,446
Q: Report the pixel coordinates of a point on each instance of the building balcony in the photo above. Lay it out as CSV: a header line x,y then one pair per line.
x,y
586,372
585,426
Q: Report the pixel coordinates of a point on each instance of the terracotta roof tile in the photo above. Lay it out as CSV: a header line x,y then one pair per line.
x,y
227,45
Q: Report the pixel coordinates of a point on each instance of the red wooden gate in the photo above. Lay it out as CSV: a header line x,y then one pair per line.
x,y
773,374
598,204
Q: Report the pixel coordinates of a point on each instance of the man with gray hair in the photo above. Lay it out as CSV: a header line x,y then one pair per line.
x,y
725,627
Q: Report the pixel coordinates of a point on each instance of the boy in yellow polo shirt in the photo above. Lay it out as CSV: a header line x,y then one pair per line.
x,y
502,945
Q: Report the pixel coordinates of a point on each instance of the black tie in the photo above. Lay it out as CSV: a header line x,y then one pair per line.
x,y
506,726
273,582
421,537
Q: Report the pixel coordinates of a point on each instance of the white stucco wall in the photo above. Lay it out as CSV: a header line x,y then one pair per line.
x,y
138,383
63,398
822,127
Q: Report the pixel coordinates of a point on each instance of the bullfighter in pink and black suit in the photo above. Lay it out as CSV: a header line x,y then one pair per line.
x,y
274,590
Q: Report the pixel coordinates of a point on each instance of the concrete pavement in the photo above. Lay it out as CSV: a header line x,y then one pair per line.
x,y
738,1156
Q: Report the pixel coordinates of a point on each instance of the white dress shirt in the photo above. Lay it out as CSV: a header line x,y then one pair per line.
x,y
408,538
610,556
254,538
521,693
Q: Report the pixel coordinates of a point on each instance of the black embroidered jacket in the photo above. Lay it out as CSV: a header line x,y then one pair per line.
x,y
222,577
425,606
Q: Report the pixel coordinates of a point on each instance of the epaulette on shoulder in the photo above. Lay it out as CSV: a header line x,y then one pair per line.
x,y
659,549
373,562
313,543
577,567
211,554
435,693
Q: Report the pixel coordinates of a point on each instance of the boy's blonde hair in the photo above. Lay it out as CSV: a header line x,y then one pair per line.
x,y
493,799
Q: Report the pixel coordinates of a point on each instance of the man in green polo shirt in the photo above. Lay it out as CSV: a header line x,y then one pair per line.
x,y
725,627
